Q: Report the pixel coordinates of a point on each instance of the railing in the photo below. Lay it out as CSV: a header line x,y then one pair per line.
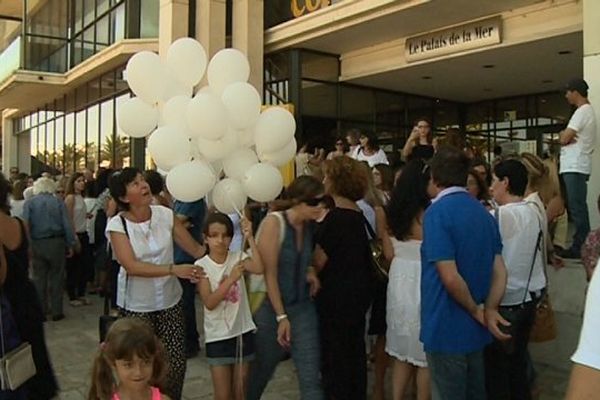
x,y
10,59
276,86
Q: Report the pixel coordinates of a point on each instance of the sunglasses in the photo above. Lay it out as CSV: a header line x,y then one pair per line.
x,y
314,201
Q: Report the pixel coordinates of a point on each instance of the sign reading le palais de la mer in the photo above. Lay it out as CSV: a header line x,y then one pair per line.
x,y
455,39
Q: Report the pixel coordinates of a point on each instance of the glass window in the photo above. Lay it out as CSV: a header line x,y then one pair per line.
x,y
117,23
318,99
41,147
78,20
59,142
34,141
88,12
88,43
108,84
121,146
106,133
80,140
149,19
69,147
357,104
102,34
446,115
553,107
103,6
50,139
93,118
419,107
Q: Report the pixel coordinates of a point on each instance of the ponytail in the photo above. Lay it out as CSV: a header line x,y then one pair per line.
x,y
102,378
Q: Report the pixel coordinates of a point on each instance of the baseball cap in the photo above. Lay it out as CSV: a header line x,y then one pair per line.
x,y
578,85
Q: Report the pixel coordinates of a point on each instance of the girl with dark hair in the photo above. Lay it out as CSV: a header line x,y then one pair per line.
x,y
157,186
340,149
142,237
477,187
369,150
80,269
130,364
405,217
287,319
383,178
420,142
22,298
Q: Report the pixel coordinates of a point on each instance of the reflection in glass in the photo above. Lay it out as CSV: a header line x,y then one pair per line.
x,y
106,133
80,126
69,147
92,137
121,144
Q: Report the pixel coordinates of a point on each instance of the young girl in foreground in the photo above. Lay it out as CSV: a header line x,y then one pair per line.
x,y
130,364
228,324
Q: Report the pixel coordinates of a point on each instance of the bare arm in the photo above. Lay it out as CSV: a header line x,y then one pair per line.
x,y
70,204
492,317
124,253
458,289
584,383
212,299
10,232
268,247
567,136
182,237
319,258
383,233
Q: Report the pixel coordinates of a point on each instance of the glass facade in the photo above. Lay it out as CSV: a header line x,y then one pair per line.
x,y
79,130
60,34
325,108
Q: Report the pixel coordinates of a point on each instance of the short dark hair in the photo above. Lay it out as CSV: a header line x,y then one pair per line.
x,y
155,181
449,167
118,182
218,218
5,190
372,140
516,173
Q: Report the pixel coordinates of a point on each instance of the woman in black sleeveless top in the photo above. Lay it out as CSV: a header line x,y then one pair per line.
x,y
23,298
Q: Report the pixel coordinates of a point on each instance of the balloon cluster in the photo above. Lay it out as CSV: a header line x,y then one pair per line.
x,y
195,137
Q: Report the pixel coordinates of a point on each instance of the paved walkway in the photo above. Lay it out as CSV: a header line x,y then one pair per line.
x,y
74,341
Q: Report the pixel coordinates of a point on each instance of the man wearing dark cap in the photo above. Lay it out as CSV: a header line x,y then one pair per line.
x,y
578,141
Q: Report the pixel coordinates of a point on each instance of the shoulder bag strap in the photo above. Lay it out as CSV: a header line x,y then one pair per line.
x,y
124,222
535,251
369,228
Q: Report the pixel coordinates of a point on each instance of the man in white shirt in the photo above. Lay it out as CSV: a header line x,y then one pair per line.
x,y
578,141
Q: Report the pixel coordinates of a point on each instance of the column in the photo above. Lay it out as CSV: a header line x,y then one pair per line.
x,y
248,36
9,145
591,73
210,26
172,23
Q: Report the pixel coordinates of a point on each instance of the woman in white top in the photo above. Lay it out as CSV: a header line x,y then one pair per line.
x,y
405,217
79,267
369,151
522,232
17,200
142,236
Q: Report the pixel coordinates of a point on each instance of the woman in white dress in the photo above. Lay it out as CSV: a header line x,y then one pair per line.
x,y
405,215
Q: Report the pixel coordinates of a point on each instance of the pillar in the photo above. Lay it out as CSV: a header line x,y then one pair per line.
x,y
172,23
9,145
248,36
591,73
210,25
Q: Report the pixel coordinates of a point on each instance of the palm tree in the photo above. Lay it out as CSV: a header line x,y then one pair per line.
x,y
119,147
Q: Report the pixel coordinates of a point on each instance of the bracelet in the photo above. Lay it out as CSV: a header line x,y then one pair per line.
x,y
170,269
281,317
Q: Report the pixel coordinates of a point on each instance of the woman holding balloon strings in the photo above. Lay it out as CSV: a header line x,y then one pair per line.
x,y
287,319
142,237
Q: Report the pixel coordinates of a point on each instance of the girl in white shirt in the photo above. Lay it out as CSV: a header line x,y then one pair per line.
x,y
228,324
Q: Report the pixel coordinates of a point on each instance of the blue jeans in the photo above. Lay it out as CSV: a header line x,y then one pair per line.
x,y
457,376
305,350
576,187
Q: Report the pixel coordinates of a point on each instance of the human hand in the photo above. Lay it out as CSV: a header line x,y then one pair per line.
x,y
313,281
556,262
187,271
237,272
495,322
246,226
414,134
284,333
479,315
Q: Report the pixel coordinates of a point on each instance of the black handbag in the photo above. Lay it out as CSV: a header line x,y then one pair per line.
x,y
106,319
379,265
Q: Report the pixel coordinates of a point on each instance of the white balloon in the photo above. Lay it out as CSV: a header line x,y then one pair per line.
x,y
242,102
226,67
206,116
217,168
229,196
274,130
214,150
238,162
137,118
187,58
262,182
245,137
173,113
190,181
175,87
281,157
146,76
169,147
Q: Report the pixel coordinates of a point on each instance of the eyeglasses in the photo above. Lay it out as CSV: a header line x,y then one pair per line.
x,y
314,201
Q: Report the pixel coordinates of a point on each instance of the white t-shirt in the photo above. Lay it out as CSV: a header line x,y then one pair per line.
x,y
79,214
232,317
520,225
152,242
378,158
588,350
577,157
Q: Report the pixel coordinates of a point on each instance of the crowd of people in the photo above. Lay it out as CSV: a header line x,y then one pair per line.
x,y
463,244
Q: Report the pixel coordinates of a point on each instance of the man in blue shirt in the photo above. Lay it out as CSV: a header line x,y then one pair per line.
x,y
52,237
192,215
462,281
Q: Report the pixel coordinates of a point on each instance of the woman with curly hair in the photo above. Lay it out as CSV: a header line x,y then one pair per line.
x,y
343,258
405,218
